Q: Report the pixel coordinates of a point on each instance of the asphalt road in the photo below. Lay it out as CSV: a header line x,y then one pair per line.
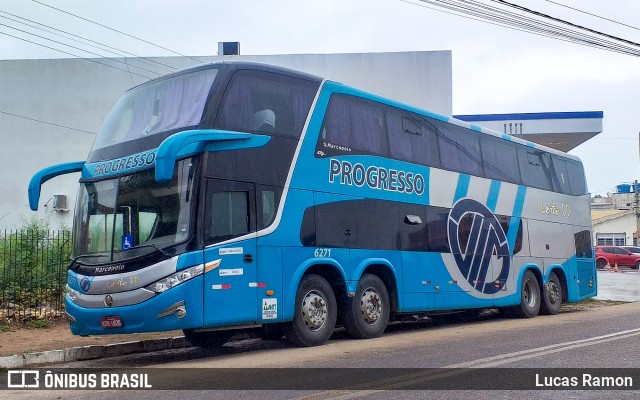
x,y
606,337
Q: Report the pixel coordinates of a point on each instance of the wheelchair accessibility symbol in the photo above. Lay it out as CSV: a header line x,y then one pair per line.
x,y
127,242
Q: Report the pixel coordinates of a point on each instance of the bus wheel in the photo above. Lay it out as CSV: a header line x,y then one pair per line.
x,y
315,313
552,296
529,297
207,340
366,315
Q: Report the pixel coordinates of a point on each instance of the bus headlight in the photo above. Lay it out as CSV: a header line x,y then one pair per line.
x,y
173,280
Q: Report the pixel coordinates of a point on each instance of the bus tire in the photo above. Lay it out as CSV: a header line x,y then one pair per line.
x,y
315,313
207,340
366,315
552,296
529,296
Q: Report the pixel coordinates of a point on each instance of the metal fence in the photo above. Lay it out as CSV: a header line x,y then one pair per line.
x,y
33,273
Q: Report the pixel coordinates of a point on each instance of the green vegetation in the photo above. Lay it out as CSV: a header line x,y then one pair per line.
x,y
37,324
33,269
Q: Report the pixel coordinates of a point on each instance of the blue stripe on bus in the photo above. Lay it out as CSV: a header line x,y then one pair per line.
x,y
514,224
494,192
507,137
463,187
476,128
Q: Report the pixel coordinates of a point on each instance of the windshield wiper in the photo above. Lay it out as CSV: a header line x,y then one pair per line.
x,y
164,253
76,258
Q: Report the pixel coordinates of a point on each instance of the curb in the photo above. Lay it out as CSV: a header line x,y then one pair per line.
x,y
92,352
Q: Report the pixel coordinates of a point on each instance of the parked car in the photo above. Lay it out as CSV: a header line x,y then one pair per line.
x,y
633,249
613,255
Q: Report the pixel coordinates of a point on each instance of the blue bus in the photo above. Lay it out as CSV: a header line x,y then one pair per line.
x,y
237,196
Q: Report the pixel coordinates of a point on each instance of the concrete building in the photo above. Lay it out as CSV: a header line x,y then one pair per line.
x,y
50,110
615,216
613,227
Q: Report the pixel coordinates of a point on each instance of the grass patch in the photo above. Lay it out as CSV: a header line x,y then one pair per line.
x,y
37,324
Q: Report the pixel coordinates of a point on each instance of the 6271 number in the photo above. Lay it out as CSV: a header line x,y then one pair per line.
x,y
322,253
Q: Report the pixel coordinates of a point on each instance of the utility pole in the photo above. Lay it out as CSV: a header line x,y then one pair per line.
x,y
637,209
636,191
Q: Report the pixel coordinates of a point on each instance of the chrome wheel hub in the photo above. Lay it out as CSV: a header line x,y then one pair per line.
x,y
554,292
371,306
314,310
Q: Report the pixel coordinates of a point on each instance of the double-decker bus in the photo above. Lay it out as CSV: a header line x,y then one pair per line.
x,y
244,196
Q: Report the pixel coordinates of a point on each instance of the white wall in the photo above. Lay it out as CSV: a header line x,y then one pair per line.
x,y
625,224
79,94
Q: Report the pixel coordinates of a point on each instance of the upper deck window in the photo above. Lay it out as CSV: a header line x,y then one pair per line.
x,y
161,106
353,125
267,103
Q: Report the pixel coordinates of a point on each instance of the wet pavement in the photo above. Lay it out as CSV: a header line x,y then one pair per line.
x,y
619,286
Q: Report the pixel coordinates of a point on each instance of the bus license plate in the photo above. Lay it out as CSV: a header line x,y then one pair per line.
x,y
111,322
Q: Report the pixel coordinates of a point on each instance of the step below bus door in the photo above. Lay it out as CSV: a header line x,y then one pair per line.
x,y
230,294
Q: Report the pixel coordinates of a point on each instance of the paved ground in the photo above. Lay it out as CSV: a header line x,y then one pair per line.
x,y
619,286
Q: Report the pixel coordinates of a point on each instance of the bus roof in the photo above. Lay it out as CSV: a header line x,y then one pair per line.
x,y
233,65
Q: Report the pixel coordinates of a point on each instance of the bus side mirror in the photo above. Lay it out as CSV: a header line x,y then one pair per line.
x,y
48,173
189,142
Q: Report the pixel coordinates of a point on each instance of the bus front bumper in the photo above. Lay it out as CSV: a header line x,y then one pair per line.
x,y
177,308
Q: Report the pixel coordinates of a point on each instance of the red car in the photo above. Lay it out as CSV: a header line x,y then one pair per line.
x,y
613,255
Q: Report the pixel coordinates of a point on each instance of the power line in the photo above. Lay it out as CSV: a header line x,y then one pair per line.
x,y
496,16
485,21
518,7
119,52
594,15
74,55
115,30
78,48
45,122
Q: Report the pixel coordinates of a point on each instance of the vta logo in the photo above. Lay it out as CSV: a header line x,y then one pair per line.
x,y
475,237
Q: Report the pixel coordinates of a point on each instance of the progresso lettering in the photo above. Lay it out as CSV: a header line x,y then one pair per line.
x,y
380,178
125,163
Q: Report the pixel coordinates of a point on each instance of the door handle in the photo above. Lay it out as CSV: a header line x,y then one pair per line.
x,y
248,258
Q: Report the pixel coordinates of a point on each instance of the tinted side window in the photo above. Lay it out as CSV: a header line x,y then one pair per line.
x,y
358,224
577,181
459,149
229,215
437,220
412,138
535,167
413,227
583,244
268,201
505,223
500,159
560,177
229,210
353,125
268,103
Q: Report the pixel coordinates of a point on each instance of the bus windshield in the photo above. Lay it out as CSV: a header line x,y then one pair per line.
x,y
130,216
160,106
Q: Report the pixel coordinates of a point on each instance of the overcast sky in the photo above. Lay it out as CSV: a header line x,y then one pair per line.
x,y
495,70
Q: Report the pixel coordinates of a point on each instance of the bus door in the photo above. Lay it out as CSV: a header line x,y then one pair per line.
x,y
230,296
585,262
